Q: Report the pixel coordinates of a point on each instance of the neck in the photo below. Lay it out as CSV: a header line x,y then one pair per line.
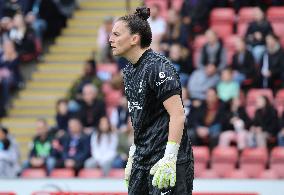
x,y
134,55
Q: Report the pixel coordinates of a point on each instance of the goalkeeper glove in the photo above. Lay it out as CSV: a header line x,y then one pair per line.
x,y
164,170
128,167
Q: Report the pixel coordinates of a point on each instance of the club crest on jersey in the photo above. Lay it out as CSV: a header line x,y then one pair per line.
x,y
162,75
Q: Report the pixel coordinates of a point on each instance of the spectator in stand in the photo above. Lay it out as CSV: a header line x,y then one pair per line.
x,y
37,25
34,20
272,63
243,63
10,8
62,117
51,12
103,44
172,33
201,80
9,157
89,76
265,124
9,70
91,108
194,15
6,25
281,132
125,140
158,27
119,115
104,143
213,52
235,124
41,147
208,120
22,35
182,61
227,88
256,33
75,147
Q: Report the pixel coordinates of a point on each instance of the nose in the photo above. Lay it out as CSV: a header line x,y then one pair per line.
x,y
110,39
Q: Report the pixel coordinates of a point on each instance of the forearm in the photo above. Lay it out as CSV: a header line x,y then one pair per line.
x,y
176,126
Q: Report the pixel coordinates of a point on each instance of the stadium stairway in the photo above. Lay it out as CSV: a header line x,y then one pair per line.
x,y
60,67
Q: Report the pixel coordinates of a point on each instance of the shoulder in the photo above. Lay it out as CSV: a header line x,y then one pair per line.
x,y
157,60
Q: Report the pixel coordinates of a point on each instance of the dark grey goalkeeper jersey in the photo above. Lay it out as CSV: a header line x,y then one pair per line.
x,y
148,83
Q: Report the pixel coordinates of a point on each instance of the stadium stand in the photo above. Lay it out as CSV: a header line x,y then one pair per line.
x,y
63,64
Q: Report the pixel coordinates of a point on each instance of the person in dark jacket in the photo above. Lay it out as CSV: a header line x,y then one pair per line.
x,y
73,149
194,14
265,124
272,63
208,120
91,108
213,52
235,123
243,64
9,71
256,33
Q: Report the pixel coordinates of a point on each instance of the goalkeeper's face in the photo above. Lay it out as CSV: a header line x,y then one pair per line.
x,y
121,41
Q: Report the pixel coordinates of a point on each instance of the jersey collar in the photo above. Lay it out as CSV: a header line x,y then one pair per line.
x,y
141,58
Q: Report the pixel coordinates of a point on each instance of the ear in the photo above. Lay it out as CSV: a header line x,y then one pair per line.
x,y
135,39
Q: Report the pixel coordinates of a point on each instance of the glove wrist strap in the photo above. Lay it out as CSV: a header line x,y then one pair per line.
x,y
172,148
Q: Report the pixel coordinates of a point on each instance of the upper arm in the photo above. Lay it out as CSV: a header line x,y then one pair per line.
x,y
174,106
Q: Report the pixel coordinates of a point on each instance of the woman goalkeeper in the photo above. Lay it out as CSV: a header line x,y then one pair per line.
x,y
161,159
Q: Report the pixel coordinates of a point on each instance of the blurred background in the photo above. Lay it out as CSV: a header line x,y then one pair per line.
x,y
59,83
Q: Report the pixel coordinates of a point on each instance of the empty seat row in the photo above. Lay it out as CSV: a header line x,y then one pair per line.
x,y
252,161
70,173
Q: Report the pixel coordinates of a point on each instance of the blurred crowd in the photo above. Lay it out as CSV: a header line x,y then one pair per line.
x,y
24,24
89,133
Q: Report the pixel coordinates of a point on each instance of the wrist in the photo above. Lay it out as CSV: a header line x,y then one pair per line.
x,y
172,148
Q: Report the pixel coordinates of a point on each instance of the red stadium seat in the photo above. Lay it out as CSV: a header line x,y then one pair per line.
x,y
246,14
224,160
201,158
112,98
62,173
242,28
268,174
230,42
209,174
279,101
253,161
177,4
90,173
275,14
199,42
116,173
222,15
277,161
278,28
254,93
223,30
34,173
237,174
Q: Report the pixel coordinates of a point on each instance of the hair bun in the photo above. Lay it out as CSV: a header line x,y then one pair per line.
x,y
143,12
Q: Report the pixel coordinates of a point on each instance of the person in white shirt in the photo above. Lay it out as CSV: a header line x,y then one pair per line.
x,y
158,26
103,147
